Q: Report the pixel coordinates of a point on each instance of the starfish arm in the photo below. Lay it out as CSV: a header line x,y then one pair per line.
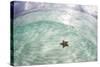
x,y
61,43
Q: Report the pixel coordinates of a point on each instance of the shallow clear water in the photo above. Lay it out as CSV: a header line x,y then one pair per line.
x,y
37,37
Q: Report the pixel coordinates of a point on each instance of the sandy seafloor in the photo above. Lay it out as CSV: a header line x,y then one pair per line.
x,y
39,30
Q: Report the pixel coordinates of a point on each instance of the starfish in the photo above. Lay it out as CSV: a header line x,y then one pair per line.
x,y
64,43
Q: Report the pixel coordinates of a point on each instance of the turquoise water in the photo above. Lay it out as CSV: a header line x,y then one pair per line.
x,y
37,37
